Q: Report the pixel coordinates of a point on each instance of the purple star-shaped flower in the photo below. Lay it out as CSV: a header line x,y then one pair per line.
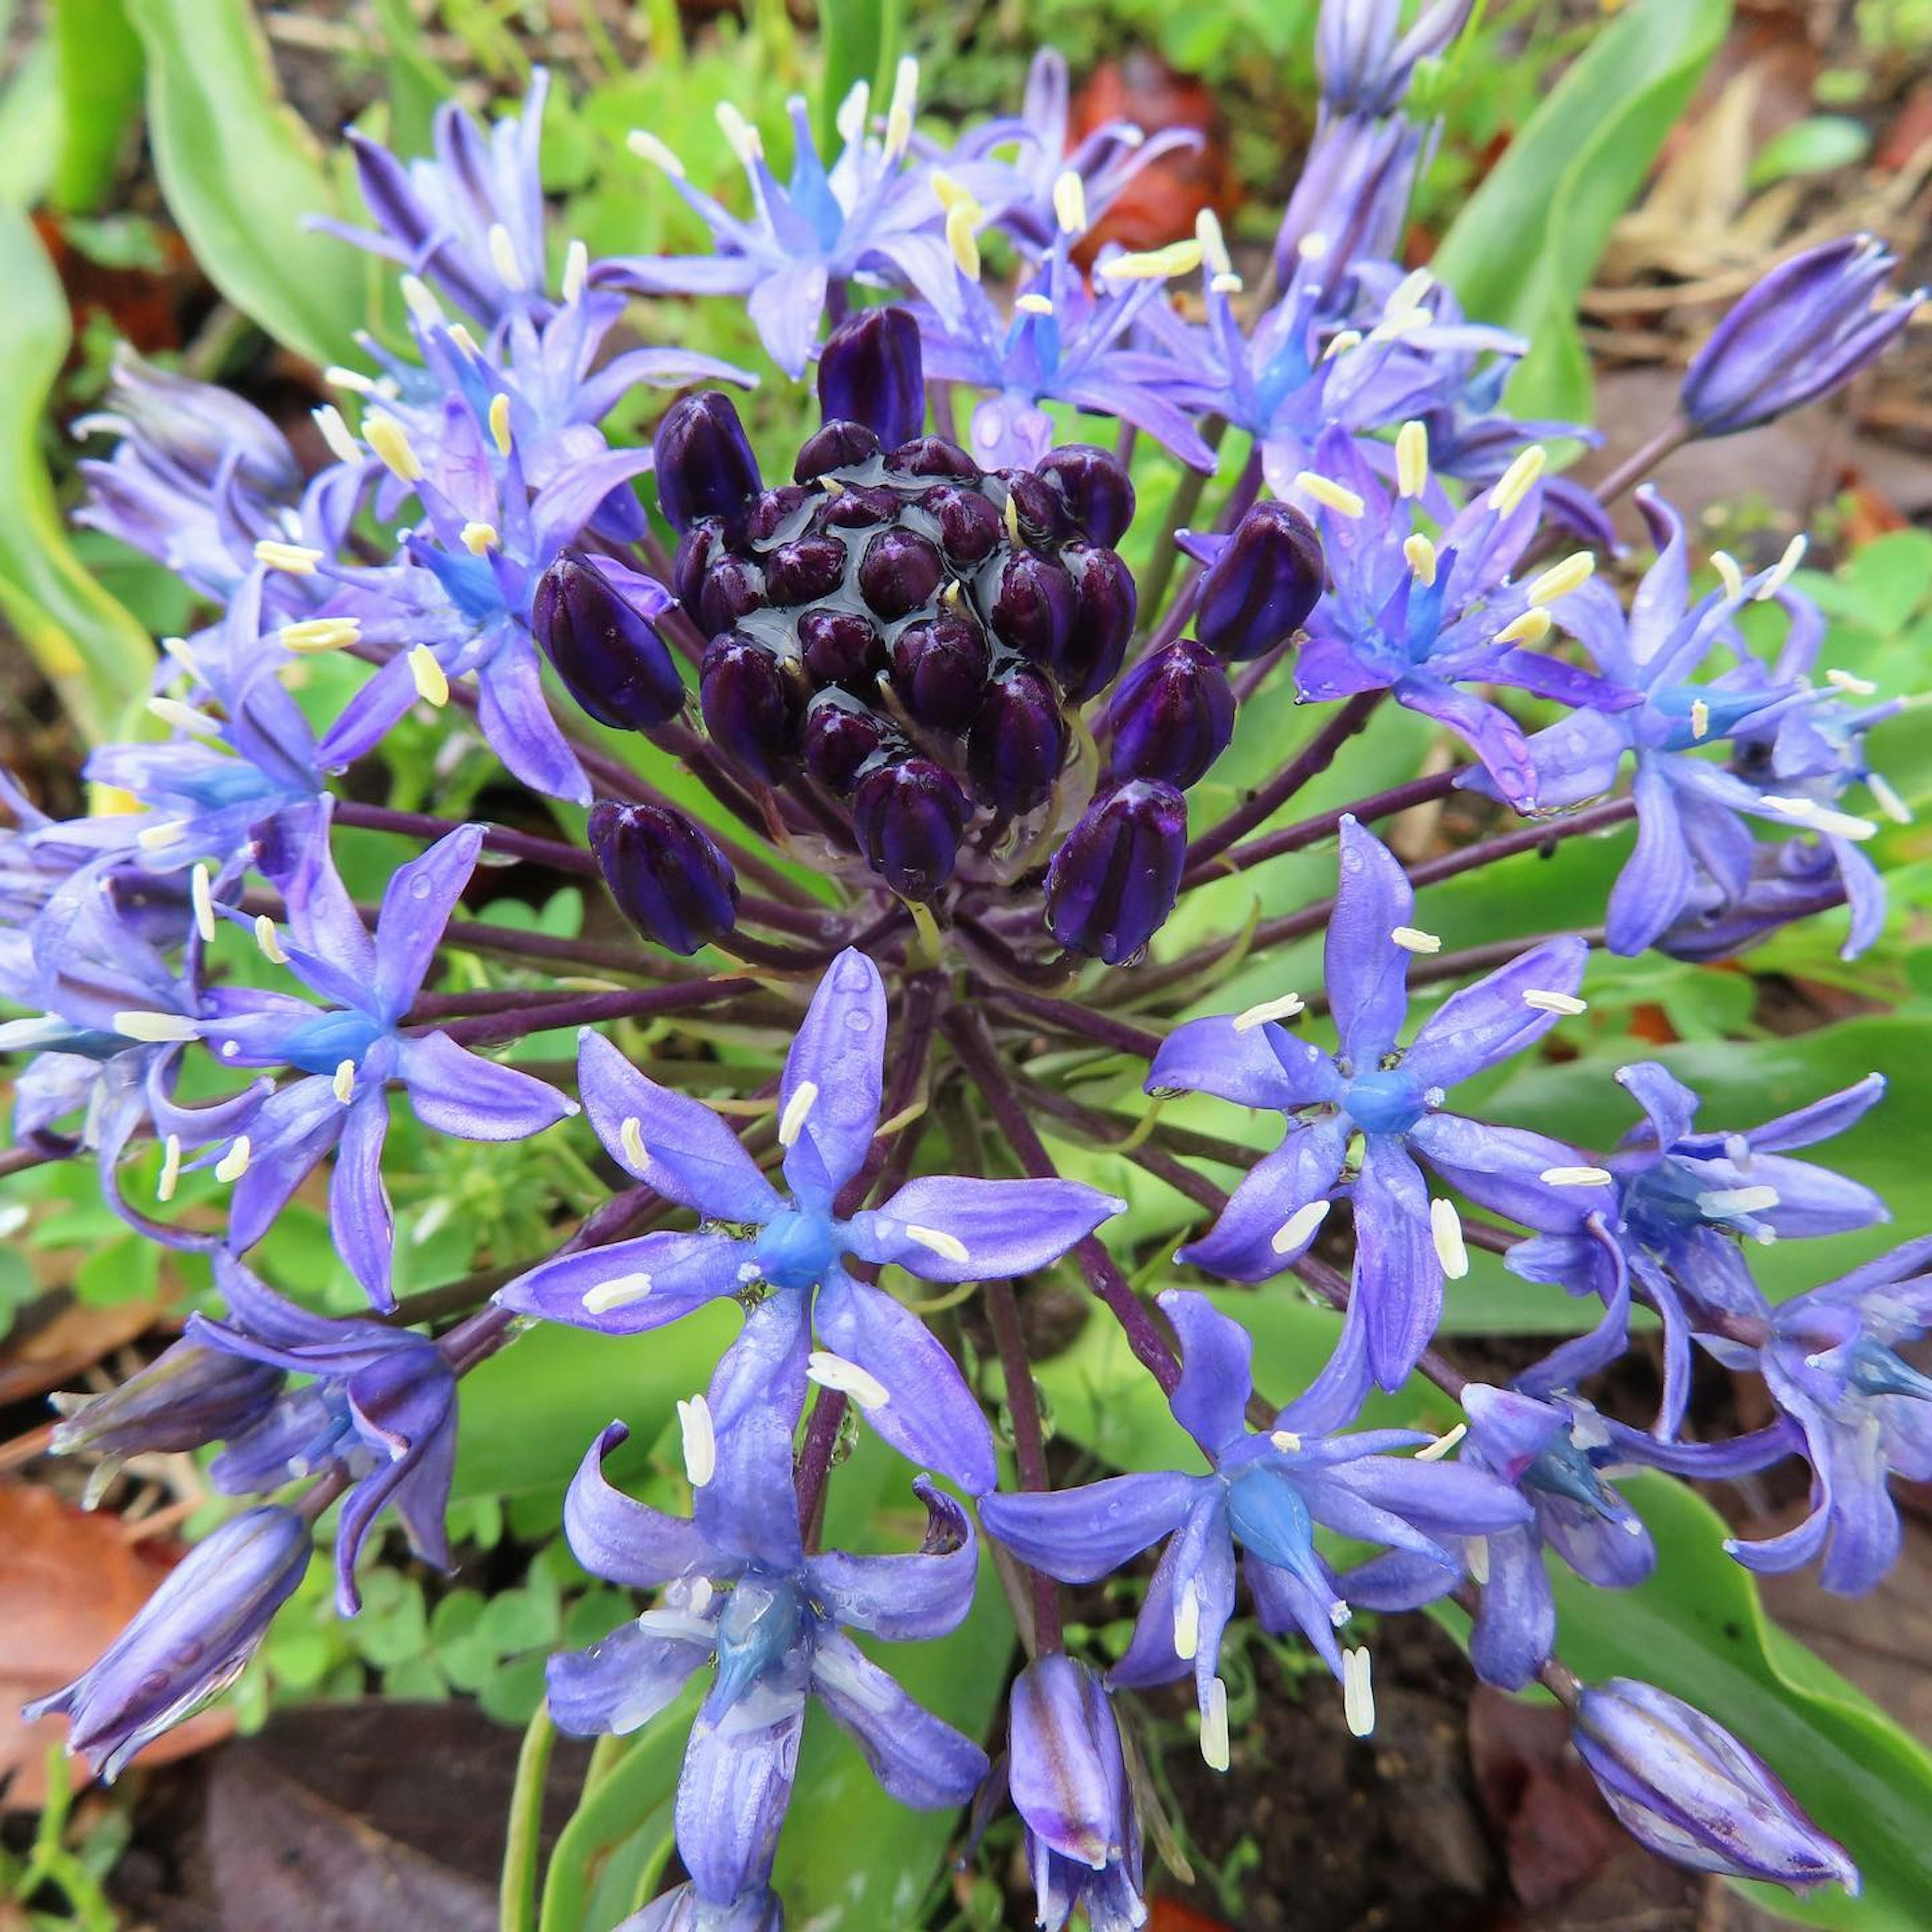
x,y
346,1055
1394,1098
943,1228
738,1588
1268,1490
1687,1200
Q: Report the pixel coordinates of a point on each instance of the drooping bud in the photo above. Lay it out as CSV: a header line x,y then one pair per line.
x,y
750,707
779,512
1258,592
1172,716
1018,741
871,371
1069,1784
970,527
190,1639
1106,605
932,456
1684,1787
1810,325
841,647
804,570
734,587
909,814
1038,510
705,467
186,1397
1112,884
600,638
939,670
668,876
1096,487
843,734
697,550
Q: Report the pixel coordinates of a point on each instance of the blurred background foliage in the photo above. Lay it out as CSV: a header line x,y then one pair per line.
x,y
1606,178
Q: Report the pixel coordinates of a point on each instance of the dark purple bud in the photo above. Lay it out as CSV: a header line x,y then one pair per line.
x,y
1258,592
667,877
804,572
838,445
900,572
841,647
1112,884
1038,510
1684,1788
1034,607
909,815
859,506
186,1397
697,550
1104,607
932,456
1096,488
1172,716
1810,325
842,736
1018,741
871,371
187,1641
732,586
751,708
604,645
778,513
939,669
969,525
705,467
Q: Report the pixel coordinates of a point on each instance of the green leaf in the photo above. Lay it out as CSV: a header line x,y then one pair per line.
x,y
30,123
1526,243
862,40
1697,1630
1814,146
240,172
98,58
96,656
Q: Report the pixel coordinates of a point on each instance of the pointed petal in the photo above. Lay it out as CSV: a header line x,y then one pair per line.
x,y
674,1273
1302,1170
359,1220
1263,1066
1217,1372
619,1685
1081,1535
622,1540
756,1397
905,1598
1005,1228
416,906
1483,1025
923,1761
840,1052
1398,1277
737,1783
1501,1169
456,1092
1365,972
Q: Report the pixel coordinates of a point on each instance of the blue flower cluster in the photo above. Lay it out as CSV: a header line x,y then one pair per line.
x,y
900,747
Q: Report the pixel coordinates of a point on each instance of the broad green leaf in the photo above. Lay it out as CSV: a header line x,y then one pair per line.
x,y
862,40
30,123
96,656
1526,243
98,57
1813,146
1697,1630
240,172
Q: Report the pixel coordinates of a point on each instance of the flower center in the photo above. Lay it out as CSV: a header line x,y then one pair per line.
x,y
321,1044
1387,1102
797,1246
1266,1513
763,1618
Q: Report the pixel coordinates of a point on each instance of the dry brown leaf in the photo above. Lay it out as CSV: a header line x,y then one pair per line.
x,y
52,1354
68,1583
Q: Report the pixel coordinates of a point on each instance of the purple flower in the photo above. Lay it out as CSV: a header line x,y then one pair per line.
x,y
872,216
1687,1201
189,1641
1394,1098
1062,343
790,1248
1684,1788
1807,328
1068,1776
1365,67
738,1589
471,219
684,1909
380,1406
1831,1364
1267,1491
1422,618
1691,811
346,1055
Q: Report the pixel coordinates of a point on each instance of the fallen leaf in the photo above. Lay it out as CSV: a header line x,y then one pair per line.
x,y
69,1582
1160,203
53,1342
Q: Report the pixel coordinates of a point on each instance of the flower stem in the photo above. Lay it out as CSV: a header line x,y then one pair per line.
x,y
1029,1443
1314,758
517,1896
1066,1016
591,1009
1181,505
526,846
966,1032
814,1461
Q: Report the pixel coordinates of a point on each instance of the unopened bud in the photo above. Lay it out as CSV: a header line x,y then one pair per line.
x,y
751,708
1112,884
705,467
1098,492
667,875
871,371
1018,741
909,814
1172,716
603,645
1258,592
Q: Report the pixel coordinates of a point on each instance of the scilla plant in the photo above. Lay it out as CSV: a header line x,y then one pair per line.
x,y
903,775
